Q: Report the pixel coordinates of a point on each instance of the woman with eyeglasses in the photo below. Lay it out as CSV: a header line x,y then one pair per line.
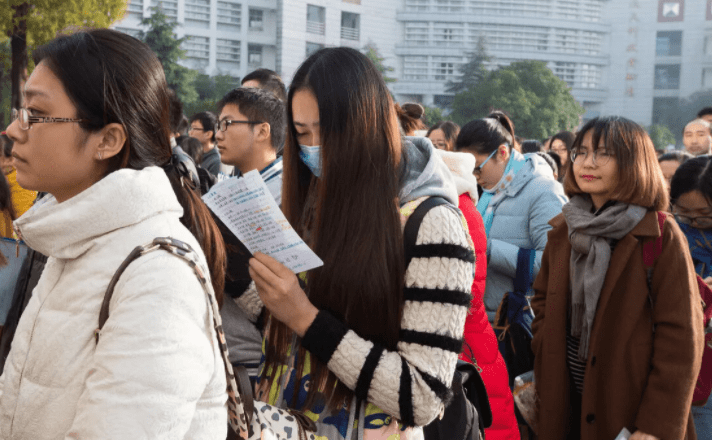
x,y
616,345
519,198
94,134
691,196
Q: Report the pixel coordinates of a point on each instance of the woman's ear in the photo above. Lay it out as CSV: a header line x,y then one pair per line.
x,y
503,153
111,140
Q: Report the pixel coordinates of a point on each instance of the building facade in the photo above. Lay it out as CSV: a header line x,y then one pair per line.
x,y
661,51
235,37
570,36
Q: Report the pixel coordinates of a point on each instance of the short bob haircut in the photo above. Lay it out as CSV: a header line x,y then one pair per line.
x,y
641,180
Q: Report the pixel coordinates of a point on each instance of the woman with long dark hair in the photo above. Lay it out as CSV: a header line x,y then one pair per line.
x,y
617,335
95,135
374,334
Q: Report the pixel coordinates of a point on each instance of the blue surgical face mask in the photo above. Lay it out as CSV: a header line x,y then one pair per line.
x,y
311,156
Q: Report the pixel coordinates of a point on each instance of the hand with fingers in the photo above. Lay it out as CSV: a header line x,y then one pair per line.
x,y
280,292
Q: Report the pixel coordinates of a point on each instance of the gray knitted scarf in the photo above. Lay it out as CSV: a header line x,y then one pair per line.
x,y
590,237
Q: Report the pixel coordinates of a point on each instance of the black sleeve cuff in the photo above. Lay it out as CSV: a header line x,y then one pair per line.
x,y
324,336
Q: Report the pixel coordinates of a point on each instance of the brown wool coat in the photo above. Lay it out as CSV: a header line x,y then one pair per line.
x,y
634,379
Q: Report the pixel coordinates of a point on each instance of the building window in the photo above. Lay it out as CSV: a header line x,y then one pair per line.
x,y
350,26
417,33
133,32
449,34
353,2
415,68
313,47
708,45
662,108
707,78
316,19
228,50
566,72
168,7
667,76
135,7
197,13
668,43
444,70
229,16
254,55
197,47
257,19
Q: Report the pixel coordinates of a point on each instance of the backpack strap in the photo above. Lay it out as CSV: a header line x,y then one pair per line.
x,y
653,248
525,270
240,402
412,225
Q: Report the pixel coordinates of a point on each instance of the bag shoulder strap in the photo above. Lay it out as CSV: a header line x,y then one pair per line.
x,y
525,270
239,410
412,225
653,248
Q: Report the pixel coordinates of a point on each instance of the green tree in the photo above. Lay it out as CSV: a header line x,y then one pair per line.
x,y
661,136
473,71
5,82
676,113
210,89
371,51
30,23
161,38
539,103
433,115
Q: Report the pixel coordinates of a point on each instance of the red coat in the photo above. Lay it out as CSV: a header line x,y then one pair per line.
x,y
480,336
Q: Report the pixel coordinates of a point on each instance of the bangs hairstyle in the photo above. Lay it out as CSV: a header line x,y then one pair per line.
x,y
640,179
351,211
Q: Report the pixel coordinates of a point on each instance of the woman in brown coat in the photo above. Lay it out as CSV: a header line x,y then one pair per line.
x,y
610,352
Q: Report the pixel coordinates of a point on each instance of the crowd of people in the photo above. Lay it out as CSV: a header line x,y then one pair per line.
x,y
101,161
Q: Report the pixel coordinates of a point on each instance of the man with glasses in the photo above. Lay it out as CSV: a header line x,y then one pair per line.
x,y
250,133
202,127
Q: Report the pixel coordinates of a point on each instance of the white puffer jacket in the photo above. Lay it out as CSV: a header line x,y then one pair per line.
x,y
156,372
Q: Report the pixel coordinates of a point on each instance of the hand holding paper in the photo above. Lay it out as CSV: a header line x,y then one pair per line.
x,y
248,209
280,292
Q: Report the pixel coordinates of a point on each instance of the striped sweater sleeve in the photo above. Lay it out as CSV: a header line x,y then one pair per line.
x,y
412,383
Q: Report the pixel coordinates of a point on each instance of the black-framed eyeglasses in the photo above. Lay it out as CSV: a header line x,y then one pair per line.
x,y
600,157
702,220
25,120
224,123
478,169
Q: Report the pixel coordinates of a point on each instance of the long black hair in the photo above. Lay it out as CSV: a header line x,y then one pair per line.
x,y
112,77
355,211
693,175
483,136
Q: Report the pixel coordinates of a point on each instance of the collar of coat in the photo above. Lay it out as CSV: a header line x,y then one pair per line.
x,y
123,198
560,255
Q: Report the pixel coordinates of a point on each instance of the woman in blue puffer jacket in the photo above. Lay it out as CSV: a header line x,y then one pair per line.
x,y
519,198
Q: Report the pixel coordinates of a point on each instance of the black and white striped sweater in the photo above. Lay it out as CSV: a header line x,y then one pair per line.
x,y
412,383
